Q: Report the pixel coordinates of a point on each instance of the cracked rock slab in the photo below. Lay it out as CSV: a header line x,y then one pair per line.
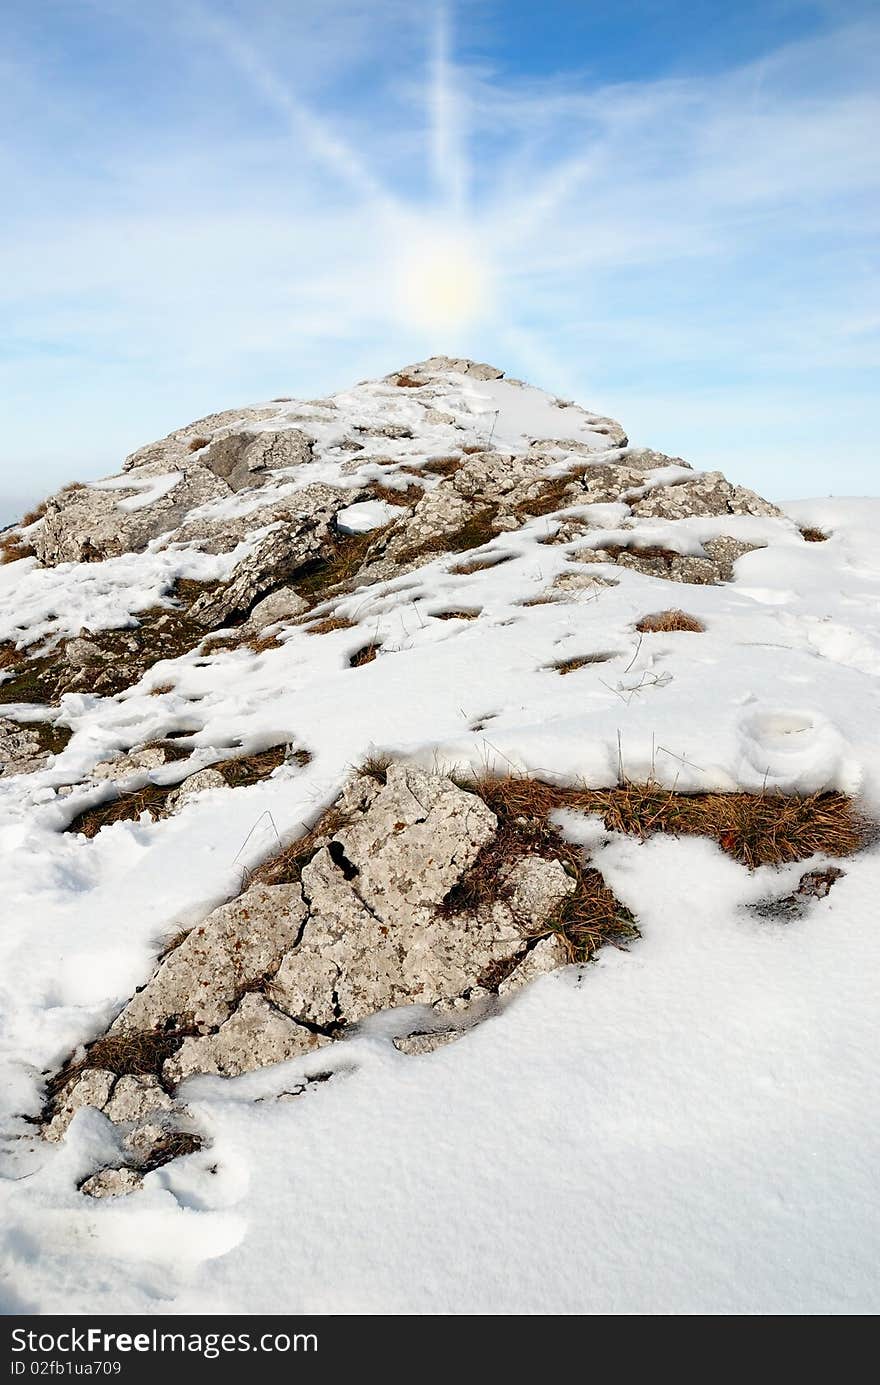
x,y
255,1036
199,983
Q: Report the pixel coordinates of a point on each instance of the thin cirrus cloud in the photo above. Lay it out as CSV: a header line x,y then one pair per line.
x,y
306,195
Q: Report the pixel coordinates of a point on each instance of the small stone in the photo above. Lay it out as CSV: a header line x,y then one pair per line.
x,y
200,782
112,1183
548,955
417,1044
91,1088
283,604
81,653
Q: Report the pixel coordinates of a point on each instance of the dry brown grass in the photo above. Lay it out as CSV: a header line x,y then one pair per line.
x,y
587,918
161,688
173,1145
475,532
813,535
668,621
14,548
329,624
366,655
286,867
409,496
408,382
443,466
581,661
336,568
554,495
454,615
33,515
196,444
756,829
139,1053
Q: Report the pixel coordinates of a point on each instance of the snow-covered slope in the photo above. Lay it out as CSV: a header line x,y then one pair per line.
x,y
455,567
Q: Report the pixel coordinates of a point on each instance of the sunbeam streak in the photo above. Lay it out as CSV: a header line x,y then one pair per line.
x,y
448,160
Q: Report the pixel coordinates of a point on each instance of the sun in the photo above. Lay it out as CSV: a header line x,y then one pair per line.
x,y
442,281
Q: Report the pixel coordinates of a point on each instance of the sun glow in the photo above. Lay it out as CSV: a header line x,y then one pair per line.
x,y
442,282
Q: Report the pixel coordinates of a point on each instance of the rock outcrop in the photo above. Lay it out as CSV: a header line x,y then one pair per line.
x,y
365,925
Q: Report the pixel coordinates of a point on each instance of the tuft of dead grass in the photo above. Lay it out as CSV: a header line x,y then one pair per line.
x,y
668,621
336,567
173,1145
365,655
443,466
408,382
813,535
564,666
329,624
196,444
404,498
475,532
139,1053
754,828
13,549
459,614
34,515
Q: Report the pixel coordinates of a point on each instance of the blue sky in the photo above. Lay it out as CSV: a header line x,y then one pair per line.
x,y
668,211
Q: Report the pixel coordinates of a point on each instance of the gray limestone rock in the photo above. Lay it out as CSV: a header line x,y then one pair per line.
x,y
201,981
255,1035
91,1088
709,493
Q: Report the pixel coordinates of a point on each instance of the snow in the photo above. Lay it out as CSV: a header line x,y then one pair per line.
x,y
364,516
684,1127
151,488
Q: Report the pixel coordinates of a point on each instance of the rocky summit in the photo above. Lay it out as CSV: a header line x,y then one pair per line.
x,y
364,731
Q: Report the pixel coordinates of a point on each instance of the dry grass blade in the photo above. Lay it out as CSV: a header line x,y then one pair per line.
x,y
663,621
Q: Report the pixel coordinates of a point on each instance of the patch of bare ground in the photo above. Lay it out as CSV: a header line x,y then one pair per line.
x,y
114,659
239,772
662,621
459,614
336,568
